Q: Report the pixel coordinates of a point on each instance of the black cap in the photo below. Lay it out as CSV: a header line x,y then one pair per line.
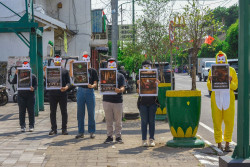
x,y
111,59
146,62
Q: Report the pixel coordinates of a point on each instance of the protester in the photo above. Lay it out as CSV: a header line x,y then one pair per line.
x,y
85,95
26,100
61,97
147,106
223,105
113,107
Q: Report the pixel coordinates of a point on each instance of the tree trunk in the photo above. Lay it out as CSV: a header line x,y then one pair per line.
x,y
194,58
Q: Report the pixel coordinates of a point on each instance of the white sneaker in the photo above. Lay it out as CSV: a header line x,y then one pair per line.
x,y
151,143
22,129
144,143
31,129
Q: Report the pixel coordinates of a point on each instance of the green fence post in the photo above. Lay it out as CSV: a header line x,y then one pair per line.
x,y
33,63
40,72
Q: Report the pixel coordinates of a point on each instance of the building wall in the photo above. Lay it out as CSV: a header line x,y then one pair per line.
x,y
76,15
11,45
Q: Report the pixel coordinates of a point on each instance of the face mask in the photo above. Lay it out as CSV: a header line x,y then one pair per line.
x,y
86,58
146,66
111,64
221,59
26,64
57,60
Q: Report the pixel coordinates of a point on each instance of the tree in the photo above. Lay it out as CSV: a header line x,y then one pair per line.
x,y
152,30
198,20
232,39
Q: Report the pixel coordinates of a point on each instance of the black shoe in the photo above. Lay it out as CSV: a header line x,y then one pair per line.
x,y
52,132
109,140
119,140
65,132
80,135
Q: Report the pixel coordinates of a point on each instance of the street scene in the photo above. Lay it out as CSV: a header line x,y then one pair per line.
x,y
124,83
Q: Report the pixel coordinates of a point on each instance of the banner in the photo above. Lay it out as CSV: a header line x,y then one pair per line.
x,y
80,73
108,81
65,42
24,79
148,85
53,79
220,77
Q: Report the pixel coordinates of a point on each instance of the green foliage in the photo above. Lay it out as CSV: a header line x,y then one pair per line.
x,y
232,39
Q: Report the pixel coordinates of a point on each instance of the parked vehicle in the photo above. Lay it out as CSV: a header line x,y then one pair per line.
x,y
3,95
164,68
203,67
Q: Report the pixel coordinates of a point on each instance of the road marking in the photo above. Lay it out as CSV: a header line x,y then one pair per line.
x,y
211,130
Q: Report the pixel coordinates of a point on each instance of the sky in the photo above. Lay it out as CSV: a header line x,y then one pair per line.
x,y
127,7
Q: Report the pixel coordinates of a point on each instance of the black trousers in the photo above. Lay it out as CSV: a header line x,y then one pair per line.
x,y
26,101
62,100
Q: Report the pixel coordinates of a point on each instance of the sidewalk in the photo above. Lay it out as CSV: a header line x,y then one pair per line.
x,y
39,149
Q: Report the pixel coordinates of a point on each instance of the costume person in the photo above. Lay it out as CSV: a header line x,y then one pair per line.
x,y
61,97
223,105
86,96
26,100
113,107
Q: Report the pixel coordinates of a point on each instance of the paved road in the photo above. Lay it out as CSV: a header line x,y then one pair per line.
x,y
183,82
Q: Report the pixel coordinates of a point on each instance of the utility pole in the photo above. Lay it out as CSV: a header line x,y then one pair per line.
x,y
133,21
114,36
121,23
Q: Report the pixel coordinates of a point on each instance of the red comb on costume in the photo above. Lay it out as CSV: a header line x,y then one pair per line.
x,y
221,55
57,56
85,56
25,62
112,61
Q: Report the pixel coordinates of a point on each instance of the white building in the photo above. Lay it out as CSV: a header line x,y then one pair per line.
x,y
55,16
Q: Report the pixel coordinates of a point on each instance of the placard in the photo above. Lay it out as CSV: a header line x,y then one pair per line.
x,y
80,73
108,81
24,78
220,77
53,78
148,85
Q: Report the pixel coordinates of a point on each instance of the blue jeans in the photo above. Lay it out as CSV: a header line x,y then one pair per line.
x,y
86,96
148,118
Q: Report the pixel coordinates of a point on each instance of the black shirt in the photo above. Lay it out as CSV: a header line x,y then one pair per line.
x,y
28,92
65,82
92,77
118,97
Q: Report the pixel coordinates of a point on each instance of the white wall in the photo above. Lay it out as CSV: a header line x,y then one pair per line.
x,y
11,45
17,6
80,23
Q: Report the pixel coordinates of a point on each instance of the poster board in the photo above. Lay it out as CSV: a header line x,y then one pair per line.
x,y
53,78
148,85
220,77
108,81
80,73
24,78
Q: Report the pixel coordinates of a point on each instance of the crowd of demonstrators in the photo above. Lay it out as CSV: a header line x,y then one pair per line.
x,y
223,105
86,96
26,100
61,97
113,107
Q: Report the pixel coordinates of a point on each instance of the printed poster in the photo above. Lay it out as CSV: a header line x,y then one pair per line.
x,y
108,81
24,78
220,77
80,73
148,85
53,79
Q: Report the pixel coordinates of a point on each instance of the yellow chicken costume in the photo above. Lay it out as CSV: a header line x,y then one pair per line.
x,y
223,104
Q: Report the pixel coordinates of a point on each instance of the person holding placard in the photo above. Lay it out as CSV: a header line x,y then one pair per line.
x,y
26,86
85,95
113,106
58,94
223,104
147,106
